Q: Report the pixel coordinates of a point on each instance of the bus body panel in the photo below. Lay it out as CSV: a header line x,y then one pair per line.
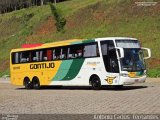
x,y
30,70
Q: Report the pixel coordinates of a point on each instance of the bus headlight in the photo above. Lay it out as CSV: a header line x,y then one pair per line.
x,y
124,74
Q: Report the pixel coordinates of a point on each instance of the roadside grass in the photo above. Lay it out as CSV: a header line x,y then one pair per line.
x,y
6,72
70,7
154,72
85,19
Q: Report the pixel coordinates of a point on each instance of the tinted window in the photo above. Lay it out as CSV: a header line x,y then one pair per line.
x,y
15,58
109,56
34,56
75,51
25,57
49,55
128,43
45,55
91,50
64,53
58,53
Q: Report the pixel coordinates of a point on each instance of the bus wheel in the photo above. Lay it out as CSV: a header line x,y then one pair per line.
x,y
27,83
36,83
95,82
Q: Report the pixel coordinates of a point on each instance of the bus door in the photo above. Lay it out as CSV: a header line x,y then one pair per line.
x,y
110,58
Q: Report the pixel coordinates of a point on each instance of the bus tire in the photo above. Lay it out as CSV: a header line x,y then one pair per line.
x,y
36,83
27,83
95,82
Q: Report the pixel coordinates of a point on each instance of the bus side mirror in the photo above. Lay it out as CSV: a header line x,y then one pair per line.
x,y
148,51
120,52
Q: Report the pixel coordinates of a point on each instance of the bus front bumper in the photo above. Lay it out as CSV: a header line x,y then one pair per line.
x,y
129,80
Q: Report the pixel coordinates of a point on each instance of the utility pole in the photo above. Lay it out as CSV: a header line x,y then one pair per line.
x,y
42,1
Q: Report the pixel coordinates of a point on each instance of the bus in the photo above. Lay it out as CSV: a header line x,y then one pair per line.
x,y
95,62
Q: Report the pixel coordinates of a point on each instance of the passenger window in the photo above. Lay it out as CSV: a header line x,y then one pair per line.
x,y
24,57
91,50
64,52
75,51
43,55
46,55
54,54
57,53
15,58
49,55
34,56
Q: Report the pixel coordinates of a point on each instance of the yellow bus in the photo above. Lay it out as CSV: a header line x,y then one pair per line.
x,y
114,61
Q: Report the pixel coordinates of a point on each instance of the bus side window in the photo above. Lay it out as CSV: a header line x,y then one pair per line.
x,y
79,51
35,56
75,51
15,58
57,53
64,52
46,55
54,55
90,50
71,52
49,55
24,57
43,55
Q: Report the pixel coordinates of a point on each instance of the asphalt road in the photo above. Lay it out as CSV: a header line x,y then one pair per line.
x,y
141,98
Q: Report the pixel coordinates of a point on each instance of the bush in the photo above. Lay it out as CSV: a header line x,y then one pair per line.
x,y
60,21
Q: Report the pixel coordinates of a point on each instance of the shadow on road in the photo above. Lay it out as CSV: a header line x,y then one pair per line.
x,y
110,88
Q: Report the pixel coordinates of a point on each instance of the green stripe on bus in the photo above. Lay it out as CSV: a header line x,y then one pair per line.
x,y
139,73
79,42
74,69
84,41
88,41
63,70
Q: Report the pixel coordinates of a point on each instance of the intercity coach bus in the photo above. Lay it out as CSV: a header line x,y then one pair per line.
x,y
114,61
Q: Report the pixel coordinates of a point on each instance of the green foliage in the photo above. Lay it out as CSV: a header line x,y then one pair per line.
x,y
154,72
85,19
60,21
6,72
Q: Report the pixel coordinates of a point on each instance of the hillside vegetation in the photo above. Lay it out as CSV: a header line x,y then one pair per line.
x,y
13,5
84,19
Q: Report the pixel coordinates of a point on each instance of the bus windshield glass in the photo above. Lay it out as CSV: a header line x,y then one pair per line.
x,y
133,55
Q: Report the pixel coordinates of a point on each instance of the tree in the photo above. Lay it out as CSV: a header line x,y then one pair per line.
x,y
11,5
42,2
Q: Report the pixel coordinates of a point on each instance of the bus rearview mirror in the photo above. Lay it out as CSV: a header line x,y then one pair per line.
x,y
148,51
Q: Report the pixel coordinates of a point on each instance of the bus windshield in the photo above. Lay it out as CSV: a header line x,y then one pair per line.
x,y
133,55
133,60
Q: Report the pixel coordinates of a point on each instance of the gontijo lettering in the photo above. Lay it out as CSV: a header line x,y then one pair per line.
x,y
42,65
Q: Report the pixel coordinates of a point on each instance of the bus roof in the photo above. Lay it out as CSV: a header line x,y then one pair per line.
x,y
115,38
71,42
52,44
